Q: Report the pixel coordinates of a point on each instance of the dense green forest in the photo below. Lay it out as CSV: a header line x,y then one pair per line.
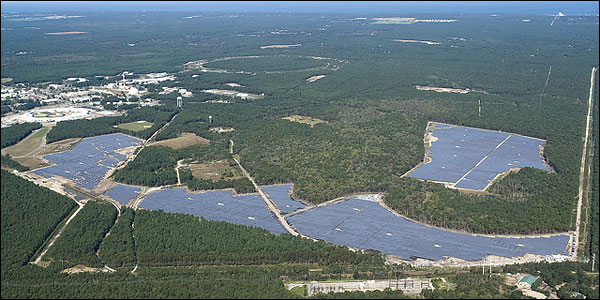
x,y
29,215
178,239
118,249
81,239
13,134
12,164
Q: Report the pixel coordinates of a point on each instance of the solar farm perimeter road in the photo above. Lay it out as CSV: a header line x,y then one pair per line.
x,y
470,158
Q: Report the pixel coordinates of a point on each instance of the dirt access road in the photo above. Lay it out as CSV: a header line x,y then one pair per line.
x,y
583,161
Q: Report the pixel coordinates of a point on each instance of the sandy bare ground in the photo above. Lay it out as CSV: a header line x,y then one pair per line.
x,y
583,161
441,89
315,78
280,46
185,140
418,41
80,269
65,32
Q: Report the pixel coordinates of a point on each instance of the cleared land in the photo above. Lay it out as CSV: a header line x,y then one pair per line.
x,y
135,126
280,46
417,41
29,144
304,120
185,140
35,161
215,171
441,89
222,129
65,32
315,78
393,20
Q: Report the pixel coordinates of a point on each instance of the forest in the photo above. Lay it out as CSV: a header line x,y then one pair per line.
x,y
376,120
13,134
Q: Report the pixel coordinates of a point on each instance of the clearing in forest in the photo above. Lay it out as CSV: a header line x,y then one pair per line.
x,y
304,120
441,89
417,41
215,170
315,78
27,145
279,46
185,140
135,125
65,32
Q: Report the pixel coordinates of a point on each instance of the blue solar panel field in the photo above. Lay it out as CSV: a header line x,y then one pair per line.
x,y
279,195
123,193
471,158
365,224
87,163
247,210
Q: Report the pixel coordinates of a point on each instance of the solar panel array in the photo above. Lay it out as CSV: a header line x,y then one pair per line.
x,y
367,225
87,163
279,195
123,193
458,149
247,210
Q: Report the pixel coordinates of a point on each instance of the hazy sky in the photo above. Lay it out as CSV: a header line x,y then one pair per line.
x,y
380,7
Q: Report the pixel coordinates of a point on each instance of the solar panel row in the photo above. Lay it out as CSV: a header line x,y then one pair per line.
x,y
123,193
279,195
247,210
87,163
459,149
367,225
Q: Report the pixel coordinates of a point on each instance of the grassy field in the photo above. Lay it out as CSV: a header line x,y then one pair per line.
x,y
28,144
185,140
135,126
304,120
215,171
33,163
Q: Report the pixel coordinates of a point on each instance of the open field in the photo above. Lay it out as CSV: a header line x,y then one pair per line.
x,y
135,126
215,171
304,120
29,144
185,140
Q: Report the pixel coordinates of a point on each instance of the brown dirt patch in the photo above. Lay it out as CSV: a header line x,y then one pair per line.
x,y
185,140
215,170
304,120
315,78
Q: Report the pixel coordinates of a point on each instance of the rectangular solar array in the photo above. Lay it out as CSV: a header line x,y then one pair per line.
x,y
367,225
247,210
123,193
517,151
279,195
87,163
458,149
